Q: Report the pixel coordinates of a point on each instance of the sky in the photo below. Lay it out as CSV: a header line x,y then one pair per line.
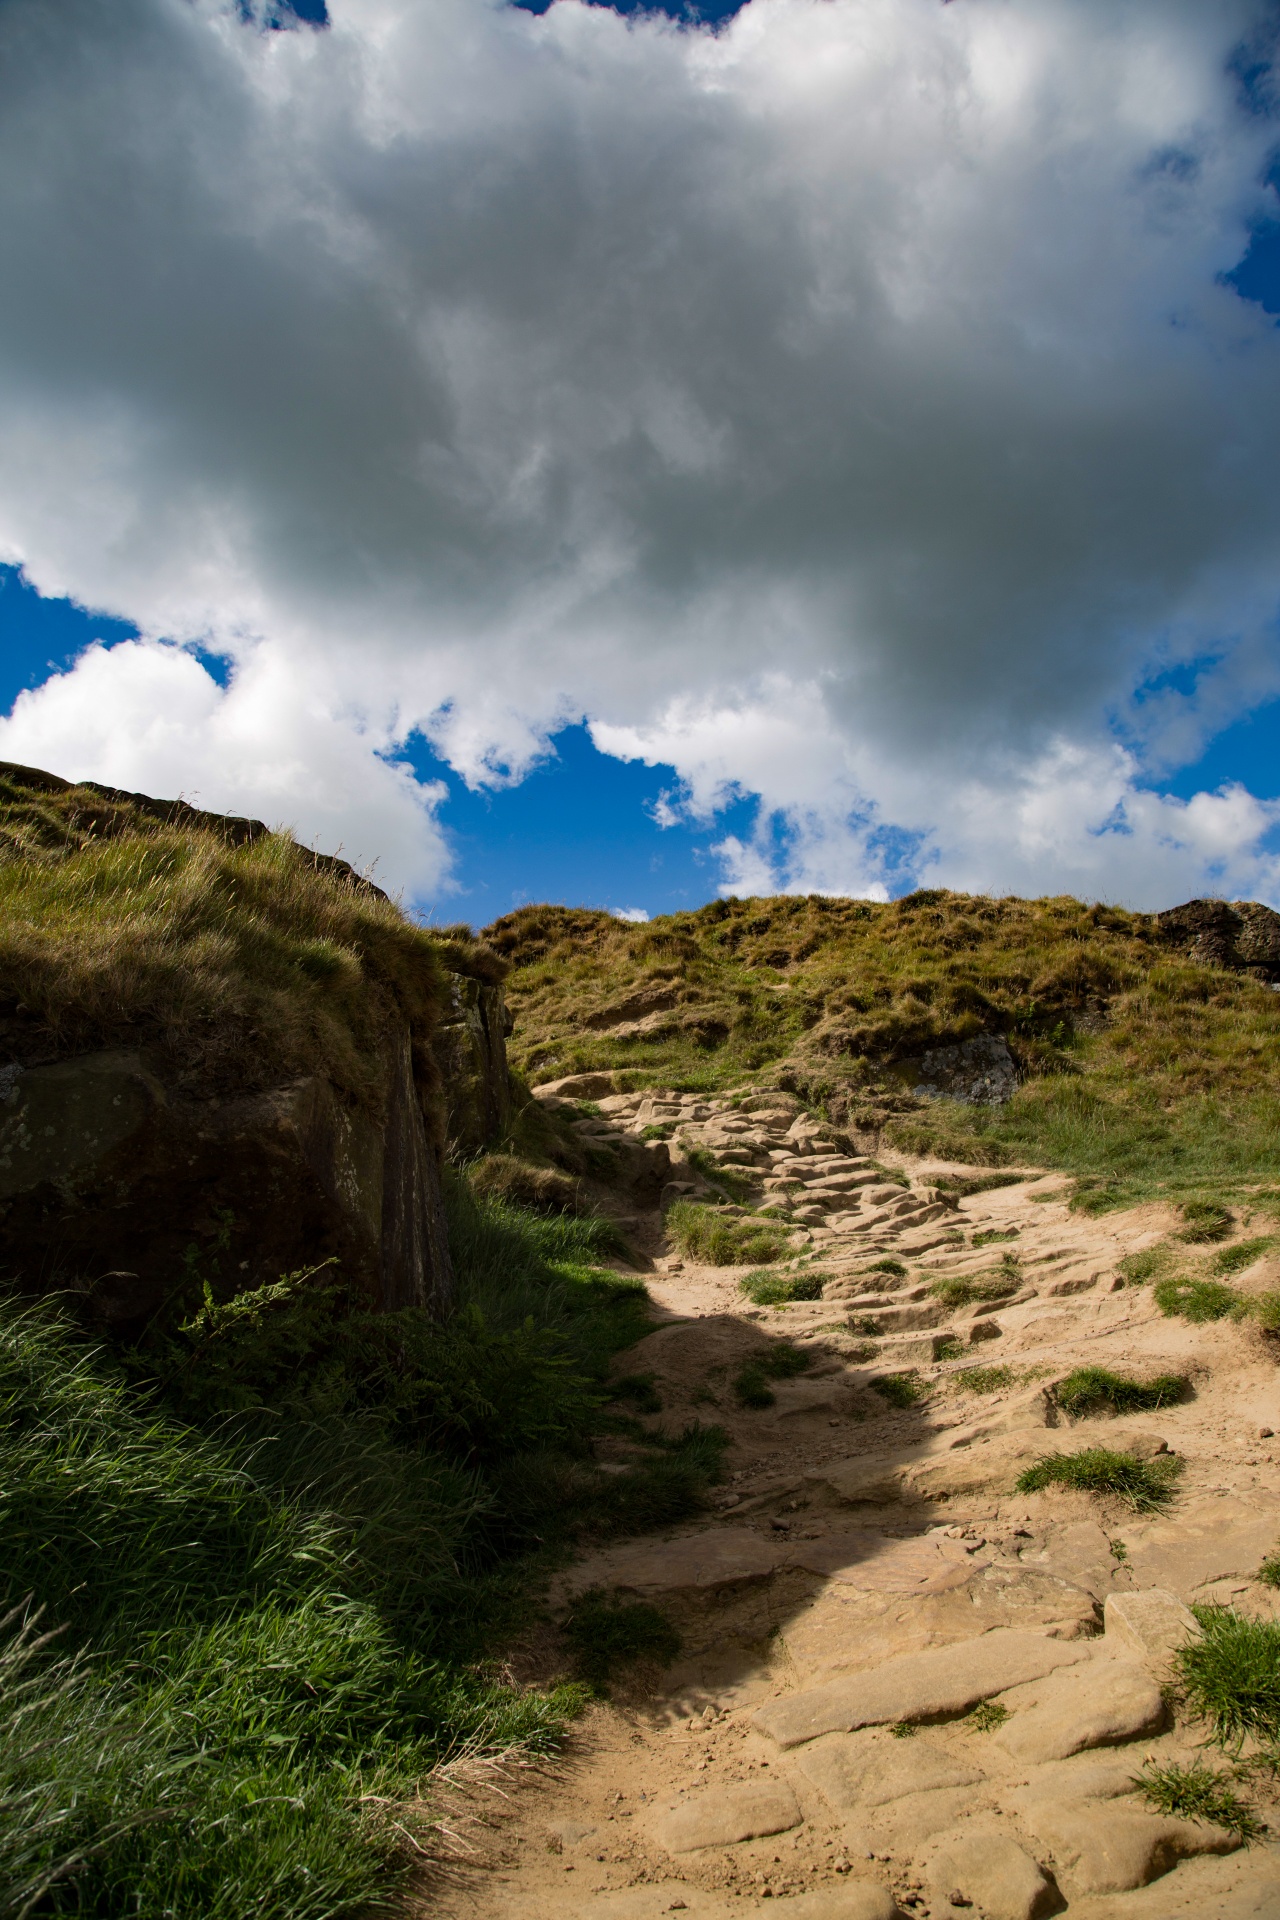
x,y
575,452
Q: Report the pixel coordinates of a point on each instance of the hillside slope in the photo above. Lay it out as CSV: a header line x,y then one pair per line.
x,y
1141,1051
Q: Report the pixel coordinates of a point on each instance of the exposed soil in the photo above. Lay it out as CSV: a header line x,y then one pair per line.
x,y
851,1535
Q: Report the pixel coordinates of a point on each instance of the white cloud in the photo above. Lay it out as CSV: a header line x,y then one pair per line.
x,y
636,916
845,407
150,718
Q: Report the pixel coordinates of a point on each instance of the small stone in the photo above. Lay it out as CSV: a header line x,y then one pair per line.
x,y
1151,1622
1265,1433
993,1871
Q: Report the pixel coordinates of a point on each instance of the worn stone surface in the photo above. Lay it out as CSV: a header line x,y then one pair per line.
x,y
877,1561
904,1825
111,1176
979,1071
1223,1536
1105,1848
720,1556
1095,1704
471,1048
1152,1623
850,1900
725,1815
918,1686
991,1871
854,1771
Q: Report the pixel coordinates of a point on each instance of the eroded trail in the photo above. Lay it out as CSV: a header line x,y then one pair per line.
x,y
895,1692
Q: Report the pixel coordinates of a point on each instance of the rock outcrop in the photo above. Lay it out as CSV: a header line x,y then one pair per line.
x,y
1242,935
219,1134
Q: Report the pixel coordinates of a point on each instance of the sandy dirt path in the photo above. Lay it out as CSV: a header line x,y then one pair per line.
x,y
904,1688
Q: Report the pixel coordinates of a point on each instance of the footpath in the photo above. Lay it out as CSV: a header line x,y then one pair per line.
x,y
904,1688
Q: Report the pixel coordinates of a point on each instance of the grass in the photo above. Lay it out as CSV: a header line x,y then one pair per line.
x,y
900,1389
1143,1485
1269,1572
1138,1269
890,1266
1231,1676
1196,1300
1207,1220
1235,1259
904,1729
246,963
1090,1389
777,1289
984,1379
733,1182
639,1390
723,1240
1174,1092
780,1362
282,1550
963,1289
1198,1792
950,1347
606,1636
992,1235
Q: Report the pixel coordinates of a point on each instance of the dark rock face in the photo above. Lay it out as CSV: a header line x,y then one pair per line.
x,y
471,1050
1242,936
980,1071
113,1183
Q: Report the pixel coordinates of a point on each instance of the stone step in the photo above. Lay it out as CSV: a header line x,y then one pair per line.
x,y
919,1686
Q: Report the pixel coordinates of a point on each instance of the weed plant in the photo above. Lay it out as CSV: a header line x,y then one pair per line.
x,y
1231,1676
723,1240
778,1289
987,1716
1143,1485
1091,1389
1198,1792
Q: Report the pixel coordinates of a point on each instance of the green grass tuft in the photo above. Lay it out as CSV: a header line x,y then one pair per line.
x,y
962,1289
987,1716
723,1240
1231,1675
1196,1300
1089,1389
607,1635
900,1389
639,1390
992,1235
780,1362
1198,1793
1269,1572
984,1379
1207,1220
1144,1485
890,1265
1235,1259
776,1289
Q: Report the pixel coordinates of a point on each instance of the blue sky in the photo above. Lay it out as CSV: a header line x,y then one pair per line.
x,y
871,438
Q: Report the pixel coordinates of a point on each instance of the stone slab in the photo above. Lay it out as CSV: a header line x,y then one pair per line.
x,y
1223,1537
1109,1849
716,1557
723,1816
1096,1704
991,1872
918,1686
855,1771
850,1900
1152,1623
876,1562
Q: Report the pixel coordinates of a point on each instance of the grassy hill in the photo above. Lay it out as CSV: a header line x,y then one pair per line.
x,y
1147,1046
